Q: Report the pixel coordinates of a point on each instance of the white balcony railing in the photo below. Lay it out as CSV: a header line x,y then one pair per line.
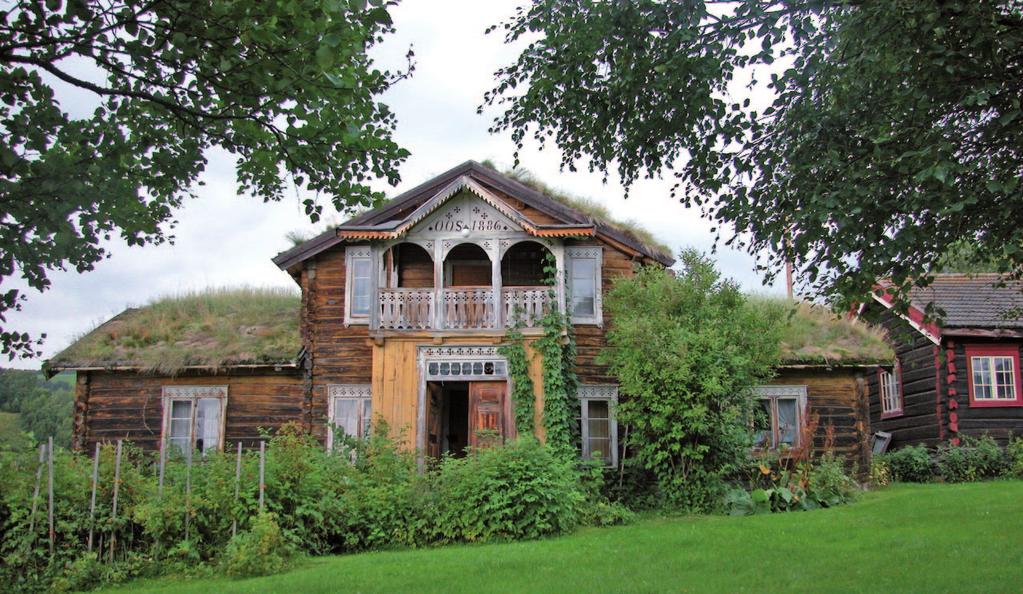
x,y
525,304
460,308
406,309
467,308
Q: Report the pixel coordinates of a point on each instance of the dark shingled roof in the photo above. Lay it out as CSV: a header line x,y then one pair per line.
x,y
398,208
973,301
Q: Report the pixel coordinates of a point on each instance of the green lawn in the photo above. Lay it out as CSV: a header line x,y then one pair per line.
x,y
908,538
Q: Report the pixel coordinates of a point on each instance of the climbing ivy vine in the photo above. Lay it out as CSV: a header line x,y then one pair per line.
x,y
560,384
523,398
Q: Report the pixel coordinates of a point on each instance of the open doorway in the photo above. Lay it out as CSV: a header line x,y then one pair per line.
x,y
464,414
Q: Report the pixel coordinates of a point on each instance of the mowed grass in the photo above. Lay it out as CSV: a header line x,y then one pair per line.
x,y
908,538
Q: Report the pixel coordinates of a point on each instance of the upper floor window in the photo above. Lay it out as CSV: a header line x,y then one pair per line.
x,y
994,375
584,290
193,417
778,419
890,387
359,284
597,424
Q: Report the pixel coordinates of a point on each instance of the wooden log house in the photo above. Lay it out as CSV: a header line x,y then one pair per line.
x,y
957,378
400,316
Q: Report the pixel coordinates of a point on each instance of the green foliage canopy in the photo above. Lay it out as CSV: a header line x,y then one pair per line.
x,y
283,85
891,129
688,350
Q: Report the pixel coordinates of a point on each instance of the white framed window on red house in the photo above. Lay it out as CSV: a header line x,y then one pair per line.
x,y
889,382
993,375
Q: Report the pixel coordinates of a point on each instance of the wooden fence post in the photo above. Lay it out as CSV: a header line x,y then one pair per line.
x,y
188,486
117,486
163,461
35,493
49,512
262,467
237,488
92,503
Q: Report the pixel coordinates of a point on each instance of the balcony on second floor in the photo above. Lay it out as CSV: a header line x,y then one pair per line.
x,y
467,290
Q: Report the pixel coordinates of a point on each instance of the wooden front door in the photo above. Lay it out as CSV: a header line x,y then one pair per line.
x,y
486,413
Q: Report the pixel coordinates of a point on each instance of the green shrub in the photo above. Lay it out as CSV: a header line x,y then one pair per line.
x,y
972,460
1014,455
880,472
687,349
828,484
260,550
772,487
910,464
517,491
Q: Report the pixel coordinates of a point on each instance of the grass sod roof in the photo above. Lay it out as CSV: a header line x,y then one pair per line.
x,y
219,328
815,335
586,206
208,328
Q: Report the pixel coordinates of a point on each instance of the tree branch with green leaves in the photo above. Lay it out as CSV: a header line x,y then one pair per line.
x,y
859,140
286,87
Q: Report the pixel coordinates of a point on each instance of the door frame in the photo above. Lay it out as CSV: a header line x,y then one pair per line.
x,y
463,353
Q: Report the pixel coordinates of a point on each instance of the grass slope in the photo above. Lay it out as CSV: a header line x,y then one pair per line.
x,y
909,538
11,436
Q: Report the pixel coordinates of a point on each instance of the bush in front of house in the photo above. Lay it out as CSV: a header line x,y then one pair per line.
x,y
910,464
687,349
260,550
1014,454
315,502
779,485
519,491
973,459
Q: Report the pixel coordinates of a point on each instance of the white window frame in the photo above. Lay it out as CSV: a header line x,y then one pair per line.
x,y
595,253
890,388
353,253
775,393
193,394
606,393
359,392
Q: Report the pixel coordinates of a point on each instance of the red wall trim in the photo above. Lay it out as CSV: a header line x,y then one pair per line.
x,y
914,315
994,350
937,393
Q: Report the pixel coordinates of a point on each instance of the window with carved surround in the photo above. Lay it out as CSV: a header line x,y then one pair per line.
x,y
778,418
597,424
993,375
584,295
351,410
193,418
360,291
890,387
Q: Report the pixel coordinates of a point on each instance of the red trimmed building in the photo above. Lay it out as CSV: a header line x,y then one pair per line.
x,y
960,377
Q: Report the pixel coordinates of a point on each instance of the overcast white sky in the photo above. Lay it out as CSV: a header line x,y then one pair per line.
x,y
224,239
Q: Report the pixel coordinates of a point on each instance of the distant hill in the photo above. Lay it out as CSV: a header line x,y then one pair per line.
x,y
34,407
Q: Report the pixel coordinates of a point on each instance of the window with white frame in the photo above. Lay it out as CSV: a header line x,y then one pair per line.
x,y
350,410
358,284
994,375
597,424
778,418
891,391
193,418
584,284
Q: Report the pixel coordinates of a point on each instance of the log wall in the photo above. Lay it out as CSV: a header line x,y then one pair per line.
x,y
838,396
1000,422
128,405
922,421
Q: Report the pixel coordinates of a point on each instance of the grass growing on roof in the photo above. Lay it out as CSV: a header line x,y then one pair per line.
x,y
814,334
587,206
907,538
211,327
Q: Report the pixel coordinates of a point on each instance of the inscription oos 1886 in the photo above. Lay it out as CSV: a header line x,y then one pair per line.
x,y
473,224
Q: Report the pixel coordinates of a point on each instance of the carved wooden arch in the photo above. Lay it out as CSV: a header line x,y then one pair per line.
x,y
485,244
506,244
